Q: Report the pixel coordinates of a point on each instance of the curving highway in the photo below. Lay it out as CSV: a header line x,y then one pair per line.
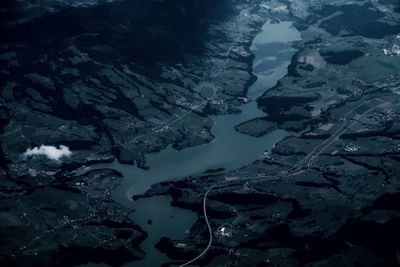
x,y
297,167
208,227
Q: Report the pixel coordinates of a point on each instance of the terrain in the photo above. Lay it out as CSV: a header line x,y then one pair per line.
x,y
124,79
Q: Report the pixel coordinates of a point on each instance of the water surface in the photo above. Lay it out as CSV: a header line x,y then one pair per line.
x,y
230,149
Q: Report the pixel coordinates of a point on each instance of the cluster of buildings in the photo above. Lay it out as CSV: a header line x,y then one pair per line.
x,y
391,46
384,117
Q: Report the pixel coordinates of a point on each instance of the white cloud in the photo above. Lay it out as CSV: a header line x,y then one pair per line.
x,y
50,152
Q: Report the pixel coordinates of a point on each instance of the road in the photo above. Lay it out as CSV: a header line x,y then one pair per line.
x,y
158,131
208,227
336,137
193,108
332,138
297,170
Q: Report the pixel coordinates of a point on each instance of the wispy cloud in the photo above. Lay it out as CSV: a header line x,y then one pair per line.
x,y
50,152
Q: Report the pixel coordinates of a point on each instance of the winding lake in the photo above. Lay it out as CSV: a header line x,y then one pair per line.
x,y
230,149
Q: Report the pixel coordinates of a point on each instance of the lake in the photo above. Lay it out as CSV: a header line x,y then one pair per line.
x,y
230,149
